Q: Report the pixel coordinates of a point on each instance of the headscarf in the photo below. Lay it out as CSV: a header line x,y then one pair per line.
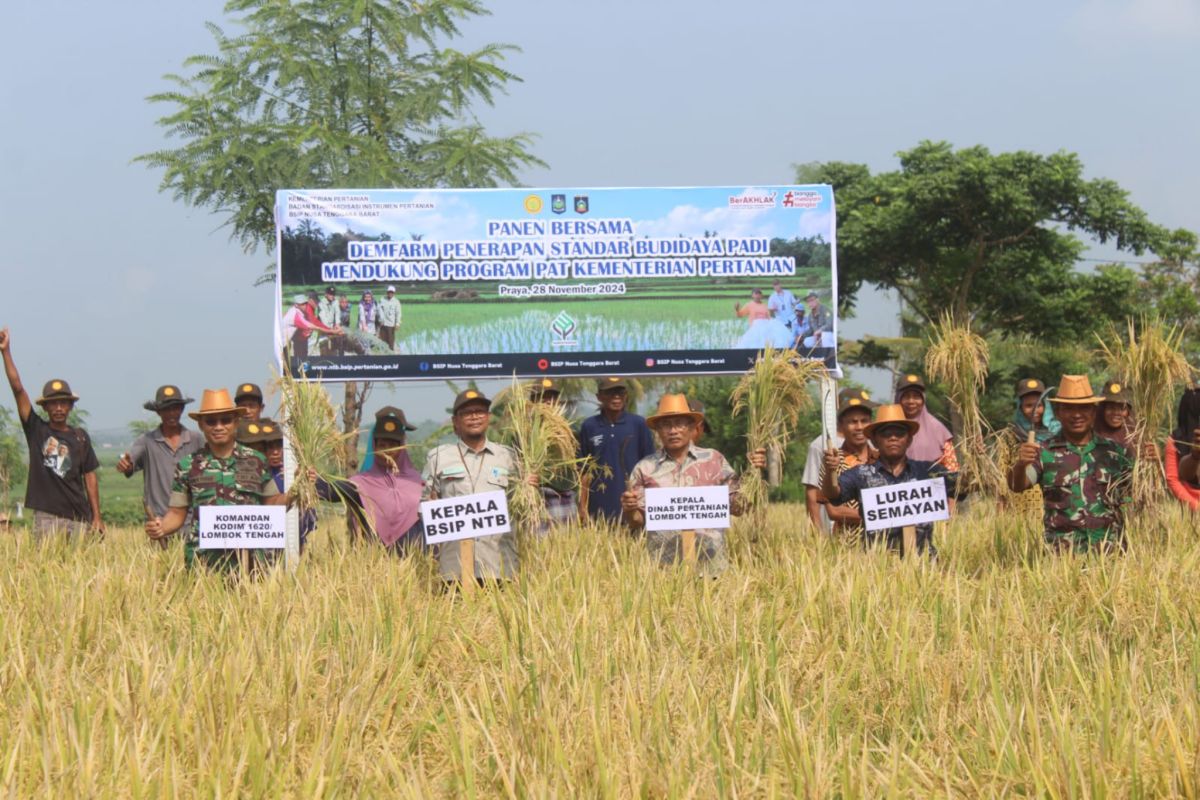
x,y
391,499
928,440
1050,425
1187,419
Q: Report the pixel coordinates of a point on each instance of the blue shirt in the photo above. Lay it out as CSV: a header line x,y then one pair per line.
x,y
876,474
619,446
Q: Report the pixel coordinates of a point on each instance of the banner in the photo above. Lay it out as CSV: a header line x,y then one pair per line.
x,y
242,527
470,516
903,504
439,283
687,508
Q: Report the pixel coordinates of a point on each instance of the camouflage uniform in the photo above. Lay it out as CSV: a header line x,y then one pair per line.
x,y
1083,489
202,479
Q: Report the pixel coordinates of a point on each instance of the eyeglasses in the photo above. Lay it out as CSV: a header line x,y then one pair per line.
x,y
224,420
892,432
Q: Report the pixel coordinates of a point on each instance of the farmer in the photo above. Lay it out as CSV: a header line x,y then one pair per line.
x,y
1031,414
222,473
387,312
820,323
1183,451
892,434
755,310
250,397
298,326
853,417
934,442
1085,479
814,464
614,440
679,463
62,488
265,436
158,452
383,499
562,501
327,314
471,465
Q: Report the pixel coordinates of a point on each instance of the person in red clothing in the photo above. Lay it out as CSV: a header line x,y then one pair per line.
x,y
1182,453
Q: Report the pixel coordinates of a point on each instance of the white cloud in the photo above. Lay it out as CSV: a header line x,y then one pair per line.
x,y
1156,19
693,221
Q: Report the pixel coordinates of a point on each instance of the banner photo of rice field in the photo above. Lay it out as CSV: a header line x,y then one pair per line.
x,y
401,284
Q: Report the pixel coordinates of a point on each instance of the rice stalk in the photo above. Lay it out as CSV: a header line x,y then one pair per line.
x,y
316,439
773,393
544,446
958,358
1148,357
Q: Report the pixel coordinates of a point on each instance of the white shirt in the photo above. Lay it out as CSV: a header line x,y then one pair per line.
x,y
812,471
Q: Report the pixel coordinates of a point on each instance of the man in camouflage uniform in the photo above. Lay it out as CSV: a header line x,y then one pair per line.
x,y
223,473
1085,479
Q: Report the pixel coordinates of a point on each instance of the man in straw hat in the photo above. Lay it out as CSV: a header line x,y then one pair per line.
x,y
892,434
222,473
614,440
471,465
62,488
853,416
1085,479
158,452
679,462
383,500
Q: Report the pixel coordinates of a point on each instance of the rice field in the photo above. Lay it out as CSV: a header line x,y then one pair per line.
x,y
808,669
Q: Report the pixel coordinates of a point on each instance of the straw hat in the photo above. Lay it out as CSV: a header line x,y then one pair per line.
x,y
216,401
673,405
892,415
1075,390
56,389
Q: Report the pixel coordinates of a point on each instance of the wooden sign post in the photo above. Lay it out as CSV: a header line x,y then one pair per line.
x,y
905,506
466,564
459,521
685,509
689,546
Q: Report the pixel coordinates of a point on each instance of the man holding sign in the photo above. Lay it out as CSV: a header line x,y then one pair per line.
x,y
473,465
681,464
892,433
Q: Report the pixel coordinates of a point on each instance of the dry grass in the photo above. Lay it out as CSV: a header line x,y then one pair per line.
x,y
316,439
808,669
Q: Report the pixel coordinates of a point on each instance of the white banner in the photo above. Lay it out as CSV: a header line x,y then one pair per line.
x,y
687,508
903,504
242,527
468,517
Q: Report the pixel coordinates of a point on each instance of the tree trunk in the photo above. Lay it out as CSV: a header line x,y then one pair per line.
x,y
352,408
774,466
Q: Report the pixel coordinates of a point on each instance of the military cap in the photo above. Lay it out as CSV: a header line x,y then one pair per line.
x,y
251,431
910,380
470,396
854,398
251,390
542,387
698,407
390,423
56,389
605,384
166,396
1116,392
1030,386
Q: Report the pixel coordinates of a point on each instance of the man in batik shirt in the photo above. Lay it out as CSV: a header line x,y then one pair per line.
x,y
853,417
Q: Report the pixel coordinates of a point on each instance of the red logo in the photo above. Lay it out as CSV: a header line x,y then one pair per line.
x,y
801,199
543,364
649,362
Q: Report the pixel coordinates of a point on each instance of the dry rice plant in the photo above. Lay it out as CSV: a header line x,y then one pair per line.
x,y
774,392
958,358
544,445
1149,358
316,439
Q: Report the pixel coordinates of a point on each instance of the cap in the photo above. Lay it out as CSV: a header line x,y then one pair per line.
x,y
698,407
1030,386
812,295
910,381
251,431
299,299
1116,392
390,423
470,396
56,389
391,288
542,387
248,390
854,398
611,383
165,397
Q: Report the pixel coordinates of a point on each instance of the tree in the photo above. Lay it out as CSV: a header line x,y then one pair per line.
x,y
985,237
139,426
333,93
13,465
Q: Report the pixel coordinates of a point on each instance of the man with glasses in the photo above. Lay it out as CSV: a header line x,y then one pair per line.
x,y
891,433
614,440
222,473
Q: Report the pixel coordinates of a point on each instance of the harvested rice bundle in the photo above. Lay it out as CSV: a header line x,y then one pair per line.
x,y
316,440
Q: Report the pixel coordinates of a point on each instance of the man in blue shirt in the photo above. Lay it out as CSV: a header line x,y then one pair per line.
x,y
891,433
615,441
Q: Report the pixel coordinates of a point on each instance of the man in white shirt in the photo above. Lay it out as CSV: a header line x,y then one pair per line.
x,y
388,315
782,304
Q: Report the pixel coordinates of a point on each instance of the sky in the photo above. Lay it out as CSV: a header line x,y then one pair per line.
x,y
119,288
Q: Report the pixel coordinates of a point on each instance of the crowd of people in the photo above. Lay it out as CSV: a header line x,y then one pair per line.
x,y
1069,448
781,321
319,324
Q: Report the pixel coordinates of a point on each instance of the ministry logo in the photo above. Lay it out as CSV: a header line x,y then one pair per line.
x,y
563,326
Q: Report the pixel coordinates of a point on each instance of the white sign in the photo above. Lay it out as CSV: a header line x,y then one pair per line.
x,y
901,504
468,517
242,527
687,508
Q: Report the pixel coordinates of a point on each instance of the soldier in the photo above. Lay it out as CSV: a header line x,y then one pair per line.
x,y
250,397
471,465
222,473
614,440
1085,479
62,488
158,452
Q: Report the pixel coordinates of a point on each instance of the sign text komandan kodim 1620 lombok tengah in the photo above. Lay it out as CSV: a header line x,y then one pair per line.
x,y
386,284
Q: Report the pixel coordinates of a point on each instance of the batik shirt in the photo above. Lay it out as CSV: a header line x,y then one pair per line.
x,y
847,461
203,479
1083,489
875,475
701,466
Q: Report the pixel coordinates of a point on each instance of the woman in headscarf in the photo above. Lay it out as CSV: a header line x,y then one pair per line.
x,y
383,499
1182,452
933,440
366,313
1029,415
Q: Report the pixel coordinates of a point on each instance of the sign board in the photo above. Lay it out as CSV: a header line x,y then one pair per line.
x,y
242,527
903,504
468,517
687,508
552,282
